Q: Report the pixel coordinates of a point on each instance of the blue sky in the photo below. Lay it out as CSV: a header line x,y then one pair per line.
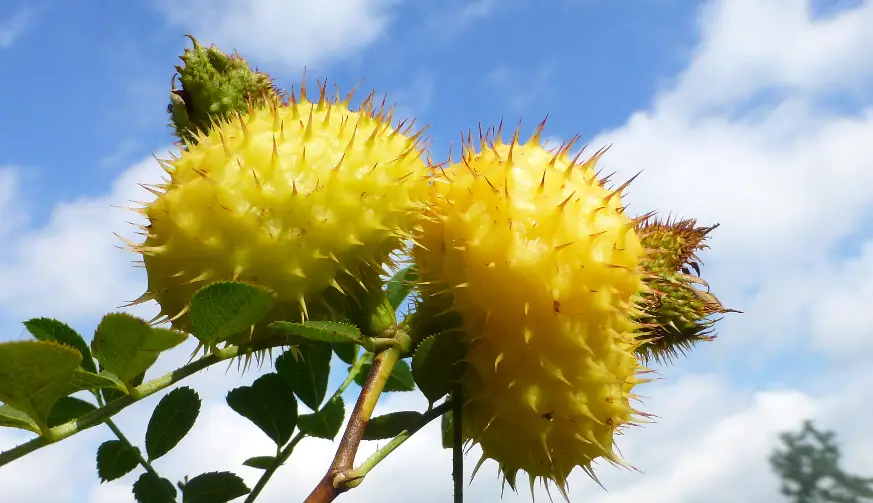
x,y
755,114
97,77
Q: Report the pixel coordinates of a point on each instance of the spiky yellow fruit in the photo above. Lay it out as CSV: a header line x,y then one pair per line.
x,y
308,198
543,266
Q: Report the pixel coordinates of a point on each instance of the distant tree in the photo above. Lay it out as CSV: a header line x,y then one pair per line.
x,y
808,464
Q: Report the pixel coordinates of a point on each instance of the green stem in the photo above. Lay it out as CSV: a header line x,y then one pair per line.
x,y
285,453
139,457
144,390
457,445
123,439
353,373
283,456
357,475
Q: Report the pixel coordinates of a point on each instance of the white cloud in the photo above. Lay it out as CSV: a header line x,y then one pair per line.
x,y
751,45
843,320
11,29
56,473
293,34
71,268
10,204
787,179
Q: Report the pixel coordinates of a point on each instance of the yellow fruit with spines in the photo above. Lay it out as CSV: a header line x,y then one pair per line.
x,y
307,198
543,266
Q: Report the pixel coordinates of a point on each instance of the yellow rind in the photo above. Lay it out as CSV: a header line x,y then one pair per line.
x,y
307,198
544,267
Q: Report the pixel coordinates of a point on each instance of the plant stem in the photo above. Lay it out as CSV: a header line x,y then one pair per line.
x,y
326,491
457,447
144,390
123,439
283,456
360,472
139,457
285,453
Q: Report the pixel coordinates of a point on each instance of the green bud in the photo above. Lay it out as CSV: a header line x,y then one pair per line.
x,y
214,87
381,318
678,312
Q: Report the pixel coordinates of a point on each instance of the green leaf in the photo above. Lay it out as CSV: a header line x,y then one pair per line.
x,y
11,417
214,487
260,462
269,403
149,488
325,423
307,372
67,409
172,419
447,429
346,352
391,425
225,308
400,286
115,460
47,329
35,374
436,364
110,394
127,346
321,331
399,380
82,380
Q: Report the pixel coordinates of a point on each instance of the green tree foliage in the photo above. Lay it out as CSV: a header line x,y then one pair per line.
x,y
808,464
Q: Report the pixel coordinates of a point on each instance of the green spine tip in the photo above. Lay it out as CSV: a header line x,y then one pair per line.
x,y
678,311
214,87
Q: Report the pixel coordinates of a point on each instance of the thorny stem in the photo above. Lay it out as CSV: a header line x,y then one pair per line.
x,y
285,453
356,476
144,390
327,490
457,447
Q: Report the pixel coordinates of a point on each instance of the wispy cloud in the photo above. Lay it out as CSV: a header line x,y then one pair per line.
x,y
476,10
264,30
11,29
10,206
520,87
415,98
456,16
